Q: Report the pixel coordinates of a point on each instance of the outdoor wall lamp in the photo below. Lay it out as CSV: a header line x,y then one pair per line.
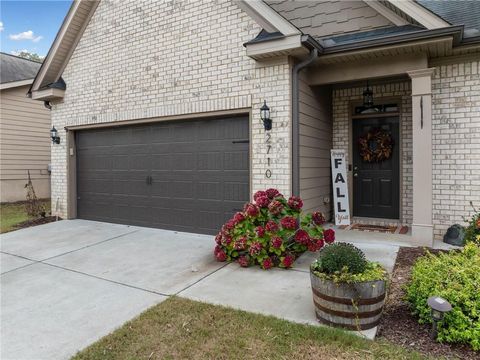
x,y
54,136
265,116
438,307
368,97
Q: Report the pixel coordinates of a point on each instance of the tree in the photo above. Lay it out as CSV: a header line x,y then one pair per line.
x,y
30,56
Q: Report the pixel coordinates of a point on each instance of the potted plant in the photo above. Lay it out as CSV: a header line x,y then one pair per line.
x,y
348,291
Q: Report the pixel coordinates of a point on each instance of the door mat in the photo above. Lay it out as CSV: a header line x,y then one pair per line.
x,y
392,229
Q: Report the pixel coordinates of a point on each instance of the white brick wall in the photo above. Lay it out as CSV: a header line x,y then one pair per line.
x,y
147,59
456,143
342,99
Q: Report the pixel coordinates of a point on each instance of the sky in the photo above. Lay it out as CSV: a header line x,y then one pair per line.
x,y
30,25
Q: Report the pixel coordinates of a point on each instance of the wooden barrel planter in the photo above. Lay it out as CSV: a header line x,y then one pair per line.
x,y
356,306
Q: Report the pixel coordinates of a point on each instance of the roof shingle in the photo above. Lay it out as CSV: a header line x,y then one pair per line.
x,y
14,68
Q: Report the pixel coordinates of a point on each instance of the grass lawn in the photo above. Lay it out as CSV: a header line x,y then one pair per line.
x,y
14,213
184,329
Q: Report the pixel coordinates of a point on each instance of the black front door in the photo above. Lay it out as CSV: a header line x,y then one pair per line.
x,y
376,182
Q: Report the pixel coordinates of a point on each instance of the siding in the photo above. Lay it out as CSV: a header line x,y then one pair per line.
x,y
25,144
315,144
324,18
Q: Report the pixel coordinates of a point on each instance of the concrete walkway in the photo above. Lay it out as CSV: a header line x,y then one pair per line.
x,y
64,285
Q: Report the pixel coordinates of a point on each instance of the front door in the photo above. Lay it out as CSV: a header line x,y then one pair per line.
x,y
376,154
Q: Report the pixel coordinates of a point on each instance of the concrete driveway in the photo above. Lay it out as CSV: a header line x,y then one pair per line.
x,y
66,284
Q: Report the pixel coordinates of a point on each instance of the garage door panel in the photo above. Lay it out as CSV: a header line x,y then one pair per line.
x,y
236,191
209,161
209,190
183,175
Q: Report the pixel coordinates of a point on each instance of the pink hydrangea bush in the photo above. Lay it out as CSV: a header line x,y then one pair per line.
x,y
271,231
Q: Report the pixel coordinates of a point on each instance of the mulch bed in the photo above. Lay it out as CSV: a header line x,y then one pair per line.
x,y
400,327
34,222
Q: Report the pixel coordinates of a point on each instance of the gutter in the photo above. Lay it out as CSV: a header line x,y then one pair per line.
x,y
314,47
456,31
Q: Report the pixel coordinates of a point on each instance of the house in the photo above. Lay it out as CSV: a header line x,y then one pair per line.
x,y
24,129
159,111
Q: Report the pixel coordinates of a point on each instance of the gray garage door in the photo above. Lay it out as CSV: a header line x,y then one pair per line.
x,y
183,175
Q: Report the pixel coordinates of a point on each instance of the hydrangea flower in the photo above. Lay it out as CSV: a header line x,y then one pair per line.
x,y
240,244
318,218
275,207
260,231
262,201
302,237
251,210
255,248
276,242
220,255
295,202
258,194
329,236
272,193
267,263
271,226
287,261
243,261
289,223
238,217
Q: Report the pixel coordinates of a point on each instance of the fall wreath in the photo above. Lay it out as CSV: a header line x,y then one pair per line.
x,y
375,146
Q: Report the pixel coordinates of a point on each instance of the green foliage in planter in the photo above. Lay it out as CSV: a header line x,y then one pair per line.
x,y
455,276
341,257
373,272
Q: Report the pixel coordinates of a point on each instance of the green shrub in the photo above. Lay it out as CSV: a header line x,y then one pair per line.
x,y
455,276
341,257
472,231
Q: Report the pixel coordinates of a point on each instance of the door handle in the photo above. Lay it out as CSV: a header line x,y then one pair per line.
x,y
149,180
355,174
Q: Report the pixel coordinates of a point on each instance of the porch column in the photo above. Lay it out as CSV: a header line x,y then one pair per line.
x,y
422,224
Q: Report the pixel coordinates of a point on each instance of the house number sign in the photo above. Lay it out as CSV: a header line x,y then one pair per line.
x,y
268,142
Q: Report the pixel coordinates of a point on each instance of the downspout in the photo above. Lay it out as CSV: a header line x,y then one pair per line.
x,y
296,120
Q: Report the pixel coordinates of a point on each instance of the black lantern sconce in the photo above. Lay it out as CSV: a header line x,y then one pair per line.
x,y
54,136
438,307
265,116
368,97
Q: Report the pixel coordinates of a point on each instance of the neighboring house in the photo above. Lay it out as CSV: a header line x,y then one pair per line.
x,y
24,132
160,124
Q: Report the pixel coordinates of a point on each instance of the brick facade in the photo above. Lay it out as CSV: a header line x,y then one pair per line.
x,y
146,59
456,143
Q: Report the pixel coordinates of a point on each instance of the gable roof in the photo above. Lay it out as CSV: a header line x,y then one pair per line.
x,y
64,44
15,68
324,18
465,13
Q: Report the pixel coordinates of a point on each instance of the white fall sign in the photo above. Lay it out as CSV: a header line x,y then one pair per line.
x,y
340,188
